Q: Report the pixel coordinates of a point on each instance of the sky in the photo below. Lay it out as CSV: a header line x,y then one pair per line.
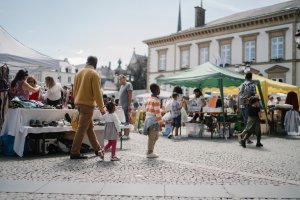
x,y
108,29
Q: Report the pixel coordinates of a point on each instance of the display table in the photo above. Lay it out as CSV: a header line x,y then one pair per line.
x,y
17,124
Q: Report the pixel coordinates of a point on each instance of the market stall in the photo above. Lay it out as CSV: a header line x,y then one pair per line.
x,y
17,124
208,75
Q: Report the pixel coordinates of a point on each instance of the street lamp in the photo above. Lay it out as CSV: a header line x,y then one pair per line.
x,y
244,68
297,38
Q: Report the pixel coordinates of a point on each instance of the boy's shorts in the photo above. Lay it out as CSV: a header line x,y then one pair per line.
x,y
177,122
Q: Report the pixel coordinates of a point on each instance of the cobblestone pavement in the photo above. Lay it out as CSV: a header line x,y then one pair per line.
x,y
182,162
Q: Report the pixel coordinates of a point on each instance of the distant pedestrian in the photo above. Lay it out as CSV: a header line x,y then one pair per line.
x,y
253,123
54,92
153,119
247,90
176,115
112,130
19,86
125,98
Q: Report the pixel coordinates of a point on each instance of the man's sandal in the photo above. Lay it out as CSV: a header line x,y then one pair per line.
x,y
101,153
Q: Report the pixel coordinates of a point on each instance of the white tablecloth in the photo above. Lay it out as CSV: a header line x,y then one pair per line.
x,y
17,123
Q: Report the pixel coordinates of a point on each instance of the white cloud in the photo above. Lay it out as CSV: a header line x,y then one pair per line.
x,y
80,52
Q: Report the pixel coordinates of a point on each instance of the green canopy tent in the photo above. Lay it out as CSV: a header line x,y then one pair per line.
x,y
209,75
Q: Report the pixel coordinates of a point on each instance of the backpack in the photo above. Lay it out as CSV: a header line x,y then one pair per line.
x,y
246,92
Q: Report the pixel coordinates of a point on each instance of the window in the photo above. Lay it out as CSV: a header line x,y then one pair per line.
x,y
185,56
281,80
277,47
203,55
69,79
203,52
162,59
67,69
249,47
249,51
277,44
225,51
226,54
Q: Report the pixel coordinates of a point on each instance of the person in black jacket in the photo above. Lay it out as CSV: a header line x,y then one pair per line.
x,y
253,123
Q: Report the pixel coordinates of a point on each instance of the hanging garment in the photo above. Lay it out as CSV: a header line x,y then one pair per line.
x,y
291,121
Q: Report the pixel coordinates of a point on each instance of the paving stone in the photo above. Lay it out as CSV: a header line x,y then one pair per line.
x,y
71,188
20,185
133,190
185,162
196,191
264,191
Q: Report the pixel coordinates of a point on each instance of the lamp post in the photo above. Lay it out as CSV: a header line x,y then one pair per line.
x,y
297,38
244,68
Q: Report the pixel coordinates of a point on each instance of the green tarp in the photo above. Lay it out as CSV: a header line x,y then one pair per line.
x,y
206,75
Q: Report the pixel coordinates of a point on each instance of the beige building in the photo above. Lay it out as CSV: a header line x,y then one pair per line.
x,y
264,38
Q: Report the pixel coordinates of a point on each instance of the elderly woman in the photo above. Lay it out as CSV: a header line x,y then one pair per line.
x,y
54,92
33,95
19,86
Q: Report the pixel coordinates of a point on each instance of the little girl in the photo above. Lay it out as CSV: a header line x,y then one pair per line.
x,y
112,130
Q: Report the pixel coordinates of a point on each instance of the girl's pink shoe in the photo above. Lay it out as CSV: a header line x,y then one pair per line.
x,y
115,158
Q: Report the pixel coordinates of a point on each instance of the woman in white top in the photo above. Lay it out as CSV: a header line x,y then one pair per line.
x,y
53,93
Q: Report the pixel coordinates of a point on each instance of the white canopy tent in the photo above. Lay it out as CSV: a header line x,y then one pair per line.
x,y
18,56
163,94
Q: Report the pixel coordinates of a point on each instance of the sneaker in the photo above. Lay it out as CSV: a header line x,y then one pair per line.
x,y
249,141
259,144
115,158
243,143
125,137
152,155
80,156
170,136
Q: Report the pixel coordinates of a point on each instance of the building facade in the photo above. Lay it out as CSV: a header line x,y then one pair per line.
x,y
263,38
137,71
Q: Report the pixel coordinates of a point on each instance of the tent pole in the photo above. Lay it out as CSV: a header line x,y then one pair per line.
x,y
222,99
263,101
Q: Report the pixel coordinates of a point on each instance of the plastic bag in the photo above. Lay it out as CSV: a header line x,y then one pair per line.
x,y
184,116
167,117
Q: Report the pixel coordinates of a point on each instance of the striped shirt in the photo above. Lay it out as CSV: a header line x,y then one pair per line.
x,y
153,108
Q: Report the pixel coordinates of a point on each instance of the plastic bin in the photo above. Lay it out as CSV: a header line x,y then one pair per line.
x,y
194,129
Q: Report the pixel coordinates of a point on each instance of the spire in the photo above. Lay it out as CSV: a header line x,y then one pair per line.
x,y
201,3
179,18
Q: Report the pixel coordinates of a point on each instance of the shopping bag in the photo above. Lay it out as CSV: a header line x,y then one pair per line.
x,y
184,116
167,117
75,120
